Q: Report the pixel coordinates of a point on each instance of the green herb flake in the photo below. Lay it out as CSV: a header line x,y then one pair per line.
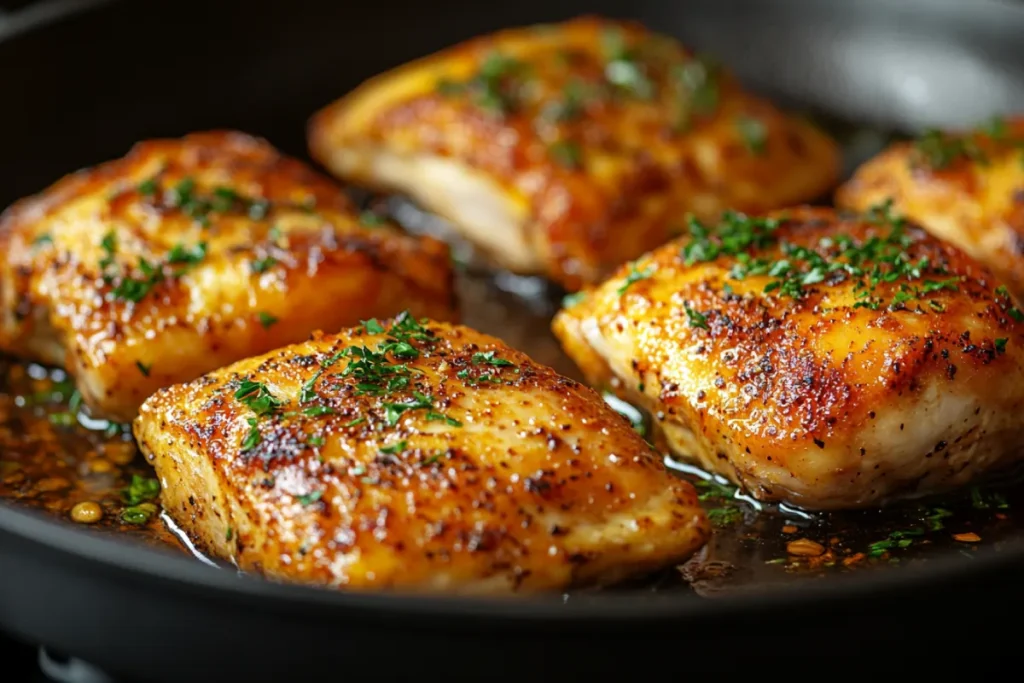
x,y
357,421
309,498
139,514
489,358
570,300
696,318
187,255
566,153
257,397
1001,344
635,276
753,132
318,411
266,319
373,326
262,265
371,219
315,441
433,416
725,516
63,419
395,448
253,438
394,411
140,490
148,188
41,240
143,368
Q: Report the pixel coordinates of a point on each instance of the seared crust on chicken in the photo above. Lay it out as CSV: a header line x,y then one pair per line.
x,y
567,149
189,254
966,188
825,360
416,456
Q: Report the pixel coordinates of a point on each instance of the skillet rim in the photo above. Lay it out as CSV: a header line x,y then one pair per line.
x,y
178,571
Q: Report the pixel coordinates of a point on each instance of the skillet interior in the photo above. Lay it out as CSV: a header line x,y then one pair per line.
x,y
106,78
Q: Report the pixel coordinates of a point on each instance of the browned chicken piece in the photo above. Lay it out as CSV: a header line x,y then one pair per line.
x,y
190,254
964,187
824,360
418,456
567,149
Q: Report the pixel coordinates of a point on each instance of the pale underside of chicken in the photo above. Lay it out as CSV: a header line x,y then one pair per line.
x,y
825,360
187,255
414,456
567,149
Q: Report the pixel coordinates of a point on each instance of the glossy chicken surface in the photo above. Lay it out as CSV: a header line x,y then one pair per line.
x,y
187,255
567,149
415,456
825,360
964,187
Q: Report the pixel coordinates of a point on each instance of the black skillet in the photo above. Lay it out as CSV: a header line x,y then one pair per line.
x,y
82,81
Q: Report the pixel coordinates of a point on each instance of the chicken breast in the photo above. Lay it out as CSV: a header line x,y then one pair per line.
x,y
416,456
825,360
567,149
189,254
964,187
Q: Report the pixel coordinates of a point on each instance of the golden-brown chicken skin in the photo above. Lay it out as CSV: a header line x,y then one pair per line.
x,y
416,456
567,149
187,255
826,360
964,187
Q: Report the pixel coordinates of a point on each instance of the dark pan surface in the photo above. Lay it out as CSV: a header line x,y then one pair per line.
x,y
102,78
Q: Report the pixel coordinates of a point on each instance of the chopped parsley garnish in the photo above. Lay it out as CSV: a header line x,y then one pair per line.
x,y
45,238
979,502
696,318
939,150
868,263
566,153
635,276
148,187
188,255
571,105
489,358
494,87
266,319
1005,302
262,265
725,516
253,437
140,489
394,411
143,368
138,514
570,300
310,498
315,441
697,84
109,246
317,411
357,421
897,539
623,67
934,519
371,219
394,449
433,416
64,419
373,326
753,132
257,397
